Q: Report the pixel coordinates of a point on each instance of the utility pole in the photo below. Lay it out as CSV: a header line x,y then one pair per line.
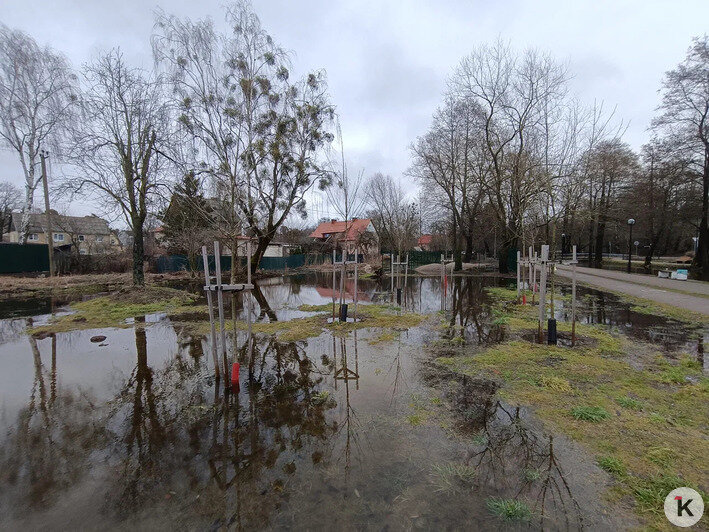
x,y
50,236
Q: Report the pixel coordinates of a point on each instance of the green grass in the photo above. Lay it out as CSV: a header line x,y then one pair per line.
x,y
113,310
650,492
612,465
509,509
629,403
641,413
594,414
415,420
451,477
532,475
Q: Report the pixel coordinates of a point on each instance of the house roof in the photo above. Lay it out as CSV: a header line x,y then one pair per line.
x,y
354,227
80,225
424,240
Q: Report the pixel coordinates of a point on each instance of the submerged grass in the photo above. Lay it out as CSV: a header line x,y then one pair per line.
x,y
633,420
509,509
453,477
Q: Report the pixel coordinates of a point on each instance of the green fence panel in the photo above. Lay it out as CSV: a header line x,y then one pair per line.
x,y
24,258
176,263
281,263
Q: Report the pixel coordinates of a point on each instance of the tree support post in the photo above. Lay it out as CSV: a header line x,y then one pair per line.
x,y
210,305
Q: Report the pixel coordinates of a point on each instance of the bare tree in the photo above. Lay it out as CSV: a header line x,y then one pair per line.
x,y
118,144
255,134
395,218
685,117
347,195
37,96
10,199
516,95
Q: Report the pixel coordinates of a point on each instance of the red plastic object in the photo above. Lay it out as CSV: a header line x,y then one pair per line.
x,y
235,373
524,299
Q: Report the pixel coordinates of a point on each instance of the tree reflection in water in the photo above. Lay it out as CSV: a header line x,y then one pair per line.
x,y
511,455
170,437
51,444
470,317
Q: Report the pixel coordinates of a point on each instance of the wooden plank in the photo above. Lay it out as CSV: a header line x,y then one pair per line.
x,y
210,305
229,287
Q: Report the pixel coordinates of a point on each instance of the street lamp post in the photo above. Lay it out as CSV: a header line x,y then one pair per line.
x,y
631,223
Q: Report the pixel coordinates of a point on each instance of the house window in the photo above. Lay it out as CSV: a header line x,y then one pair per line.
x,y
33,237
99,239
81,238
58,237
82,252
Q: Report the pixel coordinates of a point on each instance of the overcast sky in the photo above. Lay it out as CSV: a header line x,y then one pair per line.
x,y
388,61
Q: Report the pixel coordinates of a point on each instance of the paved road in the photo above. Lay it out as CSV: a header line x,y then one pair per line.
x,y
692,295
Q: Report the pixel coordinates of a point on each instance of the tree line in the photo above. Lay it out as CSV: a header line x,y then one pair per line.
x,y
220,107
219,125
512,155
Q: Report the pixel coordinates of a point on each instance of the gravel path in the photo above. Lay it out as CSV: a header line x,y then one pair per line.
x,y
688,295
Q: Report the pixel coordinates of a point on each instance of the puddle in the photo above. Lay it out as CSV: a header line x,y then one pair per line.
x,y
332,432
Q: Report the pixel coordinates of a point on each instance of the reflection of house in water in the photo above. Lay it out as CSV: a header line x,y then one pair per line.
x,y
329,293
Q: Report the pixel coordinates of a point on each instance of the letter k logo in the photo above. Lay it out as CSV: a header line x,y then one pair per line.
x,y
683,507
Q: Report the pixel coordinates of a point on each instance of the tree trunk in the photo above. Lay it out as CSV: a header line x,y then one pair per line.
x,y
458,262
469,247
263,243
600,235
701,259
138,255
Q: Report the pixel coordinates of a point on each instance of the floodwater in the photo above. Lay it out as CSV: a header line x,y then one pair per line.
x,y
328,433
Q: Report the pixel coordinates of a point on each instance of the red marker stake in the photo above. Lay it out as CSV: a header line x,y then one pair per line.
x,y
235,373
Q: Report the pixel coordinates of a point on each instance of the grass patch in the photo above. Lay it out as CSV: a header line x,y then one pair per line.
x,y
452,477
415,420
554,383
594,414
630,403
384,336
509,509
641,414
113,310
532,475
612,465
650,492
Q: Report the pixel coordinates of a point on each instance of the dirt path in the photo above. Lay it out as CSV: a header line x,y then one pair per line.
x,y
666,291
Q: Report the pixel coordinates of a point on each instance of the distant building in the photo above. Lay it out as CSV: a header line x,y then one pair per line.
x,y
274,249
424,242
359,232
89,235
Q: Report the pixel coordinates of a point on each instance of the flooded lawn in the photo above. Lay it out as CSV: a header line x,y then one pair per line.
x,y
346,429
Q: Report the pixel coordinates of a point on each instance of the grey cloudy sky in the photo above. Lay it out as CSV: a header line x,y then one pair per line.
x,y
387,61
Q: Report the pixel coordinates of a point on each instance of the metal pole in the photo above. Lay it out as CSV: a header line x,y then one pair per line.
x,y
519,265
391,256
210,305
406,276
542,289
443,269
529,263
220,303
333,284
50,235
248,293
534,276
356,278
630,245
573,299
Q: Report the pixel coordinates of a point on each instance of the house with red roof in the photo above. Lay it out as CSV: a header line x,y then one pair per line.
x,y
424,242
357,232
